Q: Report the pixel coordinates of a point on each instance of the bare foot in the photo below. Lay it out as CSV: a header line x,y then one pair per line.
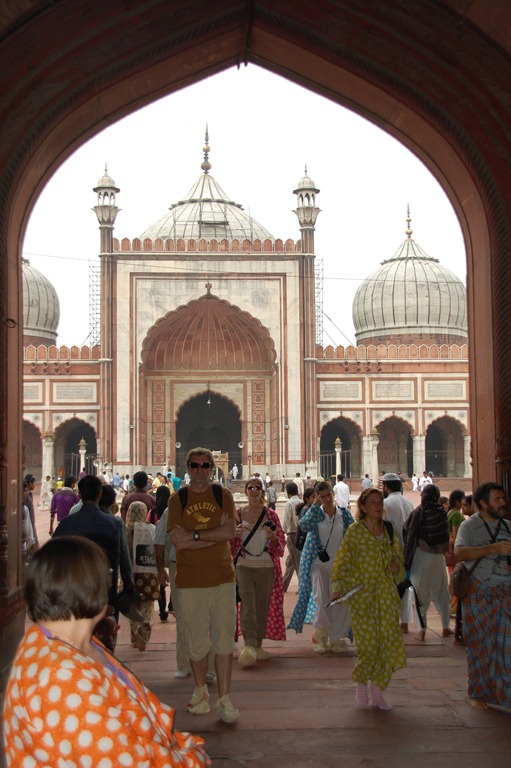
x,y
421,635
478,703
404,628
447,632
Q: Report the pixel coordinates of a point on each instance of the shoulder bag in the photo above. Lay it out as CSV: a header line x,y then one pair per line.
x,y
243,545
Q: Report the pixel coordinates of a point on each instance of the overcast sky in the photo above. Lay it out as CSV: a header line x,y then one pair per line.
x,y
263,131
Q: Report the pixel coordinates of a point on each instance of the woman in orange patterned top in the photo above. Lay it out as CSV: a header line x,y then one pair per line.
x,y
68,701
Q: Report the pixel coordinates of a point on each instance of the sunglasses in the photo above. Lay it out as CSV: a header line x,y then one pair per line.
x,y
201,464
254,488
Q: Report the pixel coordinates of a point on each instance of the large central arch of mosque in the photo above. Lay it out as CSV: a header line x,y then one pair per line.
x,y
435,78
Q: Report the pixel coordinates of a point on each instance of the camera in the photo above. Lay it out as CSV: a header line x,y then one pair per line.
x,y
323,555
271,525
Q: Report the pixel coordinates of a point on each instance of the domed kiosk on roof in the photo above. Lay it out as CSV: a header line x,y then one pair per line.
x,y
41,308
411,298
206,212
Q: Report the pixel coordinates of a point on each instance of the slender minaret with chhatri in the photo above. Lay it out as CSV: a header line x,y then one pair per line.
x,y
307,213
106,211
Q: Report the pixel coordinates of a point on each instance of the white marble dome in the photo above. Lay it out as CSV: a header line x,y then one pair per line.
x,y
207,212
41,308
411,298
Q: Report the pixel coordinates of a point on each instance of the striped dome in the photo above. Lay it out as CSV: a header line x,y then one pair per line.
x,y
41,308
411,298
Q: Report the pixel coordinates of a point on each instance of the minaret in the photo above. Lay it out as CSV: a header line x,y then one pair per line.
x,y
307,213
106,210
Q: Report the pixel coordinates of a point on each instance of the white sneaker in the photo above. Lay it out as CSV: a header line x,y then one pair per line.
x,y
339,646
319,641
199,703
262,655
247,657
226,710
210,677
181,673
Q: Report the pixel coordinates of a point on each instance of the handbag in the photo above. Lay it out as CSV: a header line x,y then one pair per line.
x,y
404,585
459,579
301,535
144,560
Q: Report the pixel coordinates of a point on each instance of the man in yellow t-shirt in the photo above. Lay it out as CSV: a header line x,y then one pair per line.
x,y
201,522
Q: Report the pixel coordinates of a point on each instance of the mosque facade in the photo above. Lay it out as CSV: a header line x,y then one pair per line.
x,y
208,338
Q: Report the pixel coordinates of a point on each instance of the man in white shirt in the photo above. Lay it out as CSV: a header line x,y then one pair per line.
x,y
396,509
289,526
425,480
299,485
342,493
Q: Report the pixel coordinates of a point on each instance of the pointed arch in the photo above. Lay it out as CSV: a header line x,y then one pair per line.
x,y
208,334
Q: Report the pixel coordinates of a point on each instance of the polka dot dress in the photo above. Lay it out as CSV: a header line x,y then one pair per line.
x,y
65,710
374,611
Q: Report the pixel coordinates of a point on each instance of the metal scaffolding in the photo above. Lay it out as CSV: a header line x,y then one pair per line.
x,y
318,275
94,302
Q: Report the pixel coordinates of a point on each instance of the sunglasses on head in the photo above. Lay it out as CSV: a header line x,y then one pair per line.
x,y
201,464
254,488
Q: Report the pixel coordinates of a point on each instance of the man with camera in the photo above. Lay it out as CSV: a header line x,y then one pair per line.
x,y
201,523
483,543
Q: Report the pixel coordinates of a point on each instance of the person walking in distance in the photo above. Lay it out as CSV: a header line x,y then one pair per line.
x,y
289,526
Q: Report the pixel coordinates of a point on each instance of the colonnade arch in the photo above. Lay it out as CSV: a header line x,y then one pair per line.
x,y
395,448
456,121
66,447
445,448
350,436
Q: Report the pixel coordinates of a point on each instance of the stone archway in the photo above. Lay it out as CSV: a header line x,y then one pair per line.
x,y
211,421
32,450
351,448
395,449
73,81
66,456
445,450
220,353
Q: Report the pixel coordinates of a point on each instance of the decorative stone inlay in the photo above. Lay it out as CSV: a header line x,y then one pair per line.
x,y
261,298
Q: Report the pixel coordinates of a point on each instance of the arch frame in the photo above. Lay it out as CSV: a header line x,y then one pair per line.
x,y
72,80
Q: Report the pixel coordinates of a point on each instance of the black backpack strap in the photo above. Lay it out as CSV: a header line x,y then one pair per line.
x,y
183,496
390,529
217,493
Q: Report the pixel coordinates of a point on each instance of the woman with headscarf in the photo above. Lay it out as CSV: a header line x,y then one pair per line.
x,y
426,537
161,503
146,583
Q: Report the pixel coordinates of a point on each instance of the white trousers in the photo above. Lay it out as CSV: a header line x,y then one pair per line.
x,y
336,619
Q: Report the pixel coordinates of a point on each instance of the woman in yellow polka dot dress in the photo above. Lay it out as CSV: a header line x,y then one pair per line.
x,y
369,557
69,702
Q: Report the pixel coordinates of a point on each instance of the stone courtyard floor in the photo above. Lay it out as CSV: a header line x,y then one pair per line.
x,y
297,710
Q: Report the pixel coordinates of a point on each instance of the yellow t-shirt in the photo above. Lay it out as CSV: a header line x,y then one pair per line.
x,y
208,566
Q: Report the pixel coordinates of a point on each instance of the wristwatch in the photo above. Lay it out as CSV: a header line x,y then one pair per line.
x,y
196,535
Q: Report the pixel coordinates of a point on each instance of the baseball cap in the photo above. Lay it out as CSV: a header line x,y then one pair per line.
x,y
390,477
